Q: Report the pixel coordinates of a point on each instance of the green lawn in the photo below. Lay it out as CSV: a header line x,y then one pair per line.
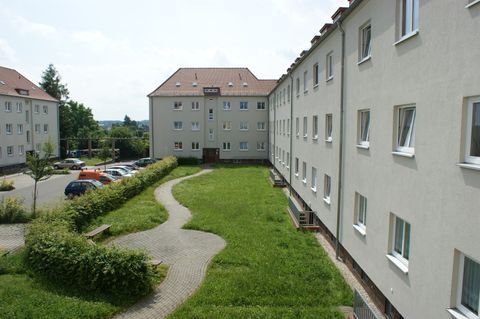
x,y
143,211
268,269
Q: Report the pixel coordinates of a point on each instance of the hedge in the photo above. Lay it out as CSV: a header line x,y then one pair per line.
x,y
56,251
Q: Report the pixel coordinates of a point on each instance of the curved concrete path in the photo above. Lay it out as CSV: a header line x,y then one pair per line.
x,y
186,252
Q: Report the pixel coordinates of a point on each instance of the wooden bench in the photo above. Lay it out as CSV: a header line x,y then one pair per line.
x,y
98,230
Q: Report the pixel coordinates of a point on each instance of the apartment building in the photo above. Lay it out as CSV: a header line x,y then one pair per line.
x,y
214,114
28,118
376,130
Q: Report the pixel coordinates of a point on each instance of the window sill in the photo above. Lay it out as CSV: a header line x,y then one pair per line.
x,y
363,147
296,175
474,167
243,110
455,313
195,110
243,130
360,229
327,200
305,136
287,167
329,140
316,86
472,4
194,130
314,189
227,110
243,150
226,150
196,150
178,129
397,263
365,59
315,139
404,154
329,79
176,110
260,150
406,37
304,181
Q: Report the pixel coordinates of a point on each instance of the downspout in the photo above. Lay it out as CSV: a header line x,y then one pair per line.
x,y
340,151
291,132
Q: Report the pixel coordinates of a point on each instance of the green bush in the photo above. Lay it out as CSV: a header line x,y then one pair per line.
x,y
188,161
6,185
60,255
12,211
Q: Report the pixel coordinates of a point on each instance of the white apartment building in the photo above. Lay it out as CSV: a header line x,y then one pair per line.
x,y
28,118
211,114
376,128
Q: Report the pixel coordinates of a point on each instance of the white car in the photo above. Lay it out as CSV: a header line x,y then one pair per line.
x,y
117,173
126,169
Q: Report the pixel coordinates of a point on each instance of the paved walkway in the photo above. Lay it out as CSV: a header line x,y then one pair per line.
x,y
11,237
186,252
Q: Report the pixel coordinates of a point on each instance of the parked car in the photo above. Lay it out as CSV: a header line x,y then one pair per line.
x,y
79,187
71,163
144,161
117,173
124,168
97,175
133,166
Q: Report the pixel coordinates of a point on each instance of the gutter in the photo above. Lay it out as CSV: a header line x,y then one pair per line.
x,y
340,150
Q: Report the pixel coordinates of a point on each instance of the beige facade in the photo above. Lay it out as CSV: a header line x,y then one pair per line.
x,y
408,157
28,118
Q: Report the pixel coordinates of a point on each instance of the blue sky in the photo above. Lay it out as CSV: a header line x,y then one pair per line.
x,y
111,54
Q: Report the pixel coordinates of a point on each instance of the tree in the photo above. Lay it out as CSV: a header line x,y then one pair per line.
x,y
39,168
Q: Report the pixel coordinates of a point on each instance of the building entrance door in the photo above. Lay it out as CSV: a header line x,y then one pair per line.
x,y
211,155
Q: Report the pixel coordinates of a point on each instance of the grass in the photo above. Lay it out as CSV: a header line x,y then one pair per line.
x,y
268,269
93,161
24,296
143,211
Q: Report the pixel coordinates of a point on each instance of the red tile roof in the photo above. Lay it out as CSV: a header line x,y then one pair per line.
x,y
231,81
13,83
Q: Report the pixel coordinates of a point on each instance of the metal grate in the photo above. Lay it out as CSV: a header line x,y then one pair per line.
x,y
361,310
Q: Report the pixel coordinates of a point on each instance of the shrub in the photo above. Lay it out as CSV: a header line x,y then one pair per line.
x,y
188,161
12,211
6,185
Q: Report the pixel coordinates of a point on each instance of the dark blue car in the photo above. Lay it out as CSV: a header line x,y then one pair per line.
x,y
79,187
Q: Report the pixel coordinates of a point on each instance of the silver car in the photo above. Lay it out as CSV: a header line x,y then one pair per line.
x,y
71,163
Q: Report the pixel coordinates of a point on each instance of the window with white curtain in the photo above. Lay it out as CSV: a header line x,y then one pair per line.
x,y
364,128
314,179
468,299
304,172
365,42
406,129
305,126
297,126
328,127
315,127
472,147
296,166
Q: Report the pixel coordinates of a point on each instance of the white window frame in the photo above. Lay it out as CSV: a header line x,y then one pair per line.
x,y
177,106
195,106
329,66
178,125
329,128
243,105
288,127
226,147
297,164
178,146
227,125
227,105
10,150
196,126
304,173
316,75
19,129
360,214
365,42
468,313
475,101
297,126
404,249
243,146
45,109
315,127
298,86
314,179
210,114
8,106
288,161
408,145
243,125
45,128
305,127
288,93
195,146
363,134
37,128
9,129
260,146
327,189
19,107
261,126
409,18
37,109
21,150
305,82
211,134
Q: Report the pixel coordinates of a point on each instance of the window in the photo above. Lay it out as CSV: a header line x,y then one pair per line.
x,y
226,146
283,157
288,127
45,109
211,134
19,107
9,150
314,179
260,105
177,106
260,126
195,106
305,127
37,128
298,86
19,128
304,172
296,166
468,296
315,127
9,129
327,184
305,74
315,74
27,116
409,17
472,147
288,160
288,93
38,147
8,108
400,240
195,146
45,128
329,66
244,126
260,146
297,126
178,125
210,114
227,125
243,146
406,129
195,126
365,42
178,146
227,106
243,105
37,108
328,127
283,127
21,149
363,128
28,136
360,213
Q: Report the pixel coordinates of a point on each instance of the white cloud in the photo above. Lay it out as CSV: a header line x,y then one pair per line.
x,y
94,40
7,53
40,29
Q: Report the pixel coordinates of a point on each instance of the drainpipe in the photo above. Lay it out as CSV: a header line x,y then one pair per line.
x,y
340,151
291,132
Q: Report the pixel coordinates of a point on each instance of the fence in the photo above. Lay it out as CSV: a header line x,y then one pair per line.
x,y
361,310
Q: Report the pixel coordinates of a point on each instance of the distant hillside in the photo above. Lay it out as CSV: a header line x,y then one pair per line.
x,y
107,124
